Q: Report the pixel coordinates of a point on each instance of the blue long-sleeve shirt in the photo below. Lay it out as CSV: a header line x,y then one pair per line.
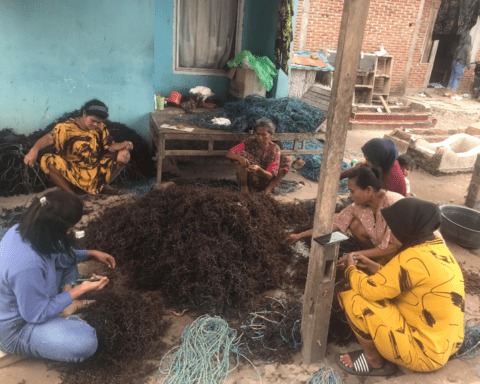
x,y
28,284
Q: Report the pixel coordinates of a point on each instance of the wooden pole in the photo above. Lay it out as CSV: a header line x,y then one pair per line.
x,y
318,296
474,186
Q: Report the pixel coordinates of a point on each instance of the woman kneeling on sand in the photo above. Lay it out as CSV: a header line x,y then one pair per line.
x,y
409,312
370,231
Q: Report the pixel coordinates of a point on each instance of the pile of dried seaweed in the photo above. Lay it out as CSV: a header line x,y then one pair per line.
x,y
271,332
129,327
208,249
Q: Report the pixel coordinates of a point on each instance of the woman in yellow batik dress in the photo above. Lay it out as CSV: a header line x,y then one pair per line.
x,y
409,312
84,154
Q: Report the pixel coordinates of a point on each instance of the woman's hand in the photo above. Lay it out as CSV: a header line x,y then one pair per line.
x,y
254,168
94,285
243,161
31,157
103,258
127,145
365,263
292,239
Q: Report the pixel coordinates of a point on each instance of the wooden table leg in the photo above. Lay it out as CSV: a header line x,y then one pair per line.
x,y
160,155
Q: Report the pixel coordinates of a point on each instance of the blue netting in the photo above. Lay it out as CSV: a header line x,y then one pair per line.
x,y
289,115
311,169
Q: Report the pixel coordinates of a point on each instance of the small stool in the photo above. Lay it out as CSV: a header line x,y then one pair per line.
x,y
7,359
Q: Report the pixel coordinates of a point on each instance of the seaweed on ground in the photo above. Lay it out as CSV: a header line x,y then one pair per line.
x,y
129,327
208,249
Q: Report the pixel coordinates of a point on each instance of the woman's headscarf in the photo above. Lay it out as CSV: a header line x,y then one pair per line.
x,y
412,221
381,152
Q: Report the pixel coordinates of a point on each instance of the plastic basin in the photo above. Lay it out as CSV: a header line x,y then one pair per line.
x,y
461,225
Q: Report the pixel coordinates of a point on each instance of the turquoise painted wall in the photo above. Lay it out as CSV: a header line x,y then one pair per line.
x,y
58,54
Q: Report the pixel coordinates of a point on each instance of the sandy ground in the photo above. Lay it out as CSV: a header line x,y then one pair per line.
x,y
450,189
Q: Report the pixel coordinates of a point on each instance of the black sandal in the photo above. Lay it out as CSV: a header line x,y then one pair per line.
x,y
361,366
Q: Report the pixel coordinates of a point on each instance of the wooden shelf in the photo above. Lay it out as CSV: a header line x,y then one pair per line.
x,y
363,86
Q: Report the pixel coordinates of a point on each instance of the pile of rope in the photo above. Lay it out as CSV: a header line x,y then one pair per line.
x,y
208,249
272,332
15,177
204,353
129,327
288,114
325,375
471,342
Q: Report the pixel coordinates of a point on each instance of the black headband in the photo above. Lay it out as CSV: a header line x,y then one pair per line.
x,y
97,108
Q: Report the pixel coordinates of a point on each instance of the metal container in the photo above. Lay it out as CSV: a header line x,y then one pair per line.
x,y
461,225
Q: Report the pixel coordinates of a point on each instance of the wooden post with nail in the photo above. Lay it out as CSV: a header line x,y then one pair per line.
x,y
318,296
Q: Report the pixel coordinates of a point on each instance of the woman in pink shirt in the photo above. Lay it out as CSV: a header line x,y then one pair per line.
x,y
363,218
382,153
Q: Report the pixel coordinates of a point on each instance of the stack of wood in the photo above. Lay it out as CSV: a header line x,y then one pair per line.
x,y
318,96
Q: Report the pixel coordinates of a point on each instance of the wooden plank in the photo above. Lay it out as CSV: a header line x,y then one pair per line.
x,y
321,91
223,152
160,156
474,186
316,100
385,104
323,96
319,289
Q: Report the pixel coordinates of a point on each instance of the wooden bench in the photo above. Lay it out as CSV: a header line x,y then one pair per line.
x,y
159,136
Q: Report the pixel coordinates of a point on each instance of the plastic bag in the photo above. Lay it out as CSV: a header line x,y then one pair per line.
x,y
263,67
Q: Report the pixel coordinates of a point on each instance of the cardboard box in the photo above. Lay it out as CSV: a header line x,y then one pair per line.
x,y
244,82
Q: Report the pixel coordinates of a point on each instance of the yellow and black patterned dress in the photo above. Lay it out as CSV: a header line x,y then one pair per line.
x,y
81,156
412,308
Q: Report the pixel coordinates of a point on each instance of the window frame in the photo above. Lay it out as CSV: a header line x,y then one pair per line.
x,y
205,71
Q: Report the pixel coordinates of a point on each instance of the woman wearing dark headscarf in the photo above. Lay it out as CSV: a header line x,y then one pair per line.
x,y
382,153
409,312
461,59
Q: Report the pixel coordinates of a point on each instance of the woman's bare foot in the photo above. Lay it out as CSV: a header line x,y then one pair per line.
x,y
373,361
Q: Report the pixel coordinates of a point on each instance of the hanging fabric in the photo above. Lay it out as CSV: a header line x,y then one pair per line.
x,y
456,17
284,34
206,32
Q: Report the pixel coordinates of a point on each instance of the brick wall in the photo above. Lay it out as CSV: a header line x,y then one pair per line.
x,y
390,23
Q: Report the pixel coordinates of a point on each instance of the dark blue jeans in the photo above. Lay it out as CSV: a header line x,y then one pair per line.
x,y
456,75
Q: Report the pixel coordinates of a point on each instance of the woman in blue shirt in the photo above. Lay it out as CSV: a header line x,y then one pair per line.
x,y
38,272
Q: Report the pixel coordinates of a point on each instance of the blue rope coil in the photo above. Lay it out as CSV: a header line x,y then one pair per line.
x,y
325,375
204,354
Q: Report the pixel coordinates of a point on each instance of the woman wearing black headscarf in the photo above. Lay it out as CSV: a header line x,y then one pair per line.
x,y
382,153
409,312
